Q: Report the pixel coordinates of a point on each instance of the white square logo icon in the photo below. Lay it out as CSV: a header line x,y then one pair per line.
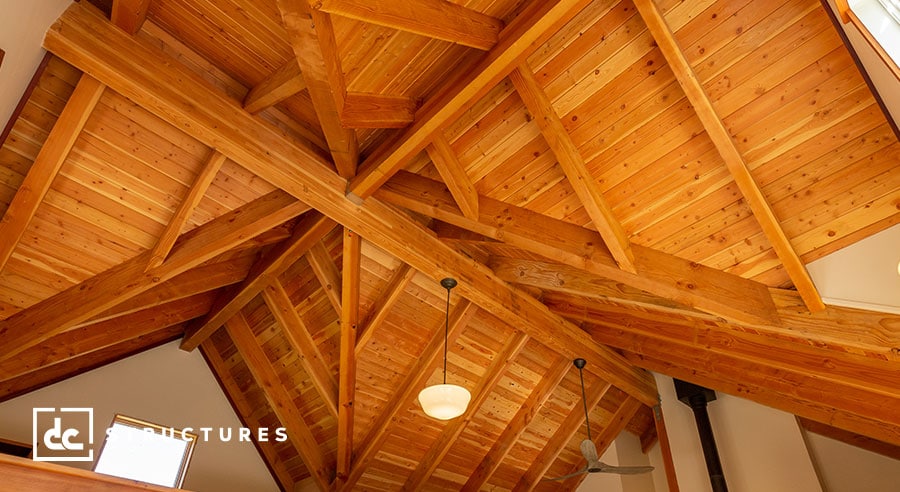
x,y
66,434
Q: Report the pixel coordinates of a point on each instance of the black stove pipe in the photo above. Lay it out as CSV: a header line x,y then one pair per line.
x,y
697,397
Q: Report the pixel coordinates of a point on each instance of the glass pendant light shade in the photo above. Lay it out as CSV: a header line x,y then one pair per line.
x,y
444,401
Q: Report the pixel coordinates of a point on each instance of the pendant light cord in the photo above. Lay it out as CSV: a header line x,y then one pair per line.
x,y
446,332
587,422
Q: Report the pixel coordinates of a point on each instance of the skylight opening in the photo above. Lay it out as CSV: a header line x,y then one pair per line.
x,y
879,22
147,452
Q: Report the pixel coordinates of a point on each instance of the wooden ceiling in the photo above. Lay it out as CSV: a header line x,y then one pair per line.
x,y
283,184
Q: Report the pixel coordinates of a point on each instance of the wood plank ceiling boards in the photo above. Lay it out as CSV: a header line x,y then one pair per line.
x,y
283,184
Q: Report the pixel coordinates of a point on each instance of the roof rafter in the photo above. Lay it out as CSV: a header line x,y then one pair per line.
x,y
517,425
347,371
279,400
308,231
438,450
368,110
201,183
47,164
519,39
382,307
128,279
130,14
149,77
415,380
279,304
312,38
327,273
665,275
286,81
735,162
574,167
245,411
454,175
564,433
437,19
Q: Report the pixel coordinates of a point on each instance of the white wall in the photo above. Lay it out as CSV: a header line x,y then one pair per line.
x,y
166,386
22,27
846,468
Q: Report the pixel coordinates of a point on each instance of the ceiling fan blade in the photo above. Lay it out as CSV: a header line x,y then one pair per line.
x,y
565,477
589,451
621,470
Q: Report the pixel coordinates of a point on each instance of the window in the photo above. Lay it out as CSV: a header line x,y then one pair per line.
x,y
879,23
147,452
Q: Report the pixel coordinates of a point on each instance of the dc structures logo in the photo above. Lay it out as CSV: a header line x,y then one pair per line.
x,y
66,434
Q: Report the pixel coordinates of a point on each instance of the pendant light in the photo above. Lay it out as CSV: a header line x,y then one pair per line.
x,y
445,401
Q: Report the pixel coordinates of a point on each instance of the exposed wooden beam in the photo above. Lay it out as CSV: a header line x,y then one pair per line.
x,y
205,278
803,377
868,443
280,400
398,282
349,322
312,37
245,411
560,439
414,382
327,272
93,337
153,80
518,40
47,164
438,19
201,183
438,450
517,425
367,110
128,279
617,423
130,14
735,162
297,333
573,166
454,175
665,449
286,81
307,232
48,375
668,276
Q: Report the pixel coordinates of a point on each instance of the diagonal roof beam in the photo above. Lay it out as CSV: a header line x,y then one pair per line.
x,y
327,273
560,439
454,175
518,40
573,166
47,164
286,81
281,307
517,425
438,19
735,162
312,37
161,85
307,232
280,400
185,209
350,272
414,381
453,429
661,274
245,411
398,282
128,279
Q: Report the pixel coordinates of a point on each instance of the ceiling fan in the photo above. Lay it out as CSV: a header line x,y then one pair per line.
x,y
589,450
